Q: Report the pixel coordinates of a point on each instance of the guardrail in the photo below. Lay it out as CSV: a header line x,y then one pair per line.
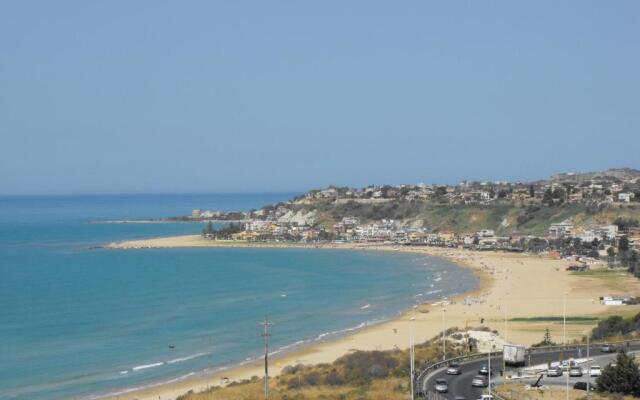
x,y
575,346
532,350
433,367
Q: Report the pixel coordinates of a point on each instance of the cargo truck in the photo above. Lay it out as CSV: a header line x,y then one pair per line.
x,y
514,355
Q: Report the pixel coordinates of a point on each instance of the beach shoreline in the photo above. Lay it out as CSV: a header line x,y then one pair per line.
x,y
504,288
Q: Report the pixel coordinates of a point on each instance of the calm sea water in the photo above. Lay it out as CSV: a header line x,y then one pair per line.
x,y
80,322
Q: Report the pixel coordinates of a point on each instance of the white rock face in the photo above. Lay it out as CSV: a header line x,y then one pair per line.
x,y
299,217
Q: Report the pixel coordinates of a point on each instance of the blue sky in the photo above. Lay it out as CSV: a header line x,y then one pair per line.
x,y
189,96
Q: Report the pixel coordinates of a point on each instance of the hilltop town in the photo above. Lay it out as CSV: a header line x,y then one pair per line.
x,y
593,215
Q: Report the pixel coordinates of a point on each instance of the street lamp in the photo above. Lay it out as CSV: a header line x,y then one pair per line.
x,y
489,364
444,340
564,341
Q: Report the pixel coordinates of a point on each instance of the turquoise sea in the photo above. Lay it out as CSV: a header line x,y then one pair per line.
x,y
80,322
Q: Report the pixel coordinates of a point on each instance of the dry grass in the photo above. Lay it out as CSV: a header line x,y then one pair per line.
x,y
515,391
353,378
381,389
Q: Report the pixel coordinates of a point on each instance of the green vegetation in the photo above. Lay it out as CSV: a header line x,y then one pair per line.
x,y
546,340
503,217
621,378
223,233
616,326
382,375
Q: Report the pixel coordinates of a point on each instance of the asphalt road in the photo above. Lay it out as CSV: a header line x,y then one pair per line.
x,y
460,385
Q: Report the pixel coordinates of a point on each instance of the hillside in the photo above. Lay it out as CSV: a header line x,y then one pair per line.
x,y
592,198
464,218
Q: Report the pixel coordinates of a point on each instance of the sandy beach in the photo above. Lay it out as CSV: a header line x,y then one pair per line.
x,y
512,286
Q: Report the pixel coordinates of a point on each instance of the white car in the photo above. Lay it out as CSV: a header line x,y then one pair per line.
x,y
454,369
595,370
441,386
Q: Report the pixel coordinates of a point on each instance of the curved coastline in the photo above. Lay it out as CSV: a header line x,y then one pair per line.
x,y
505,280
325,348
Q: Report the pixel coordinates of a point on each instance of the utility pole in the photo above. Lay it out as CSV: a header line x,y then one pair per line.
x,y
504,362
265,334
444,339
412,355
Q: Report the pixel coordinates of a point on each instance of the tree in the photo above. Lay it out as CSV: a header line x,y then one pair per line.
x,y
547,337
623,378
208,230
623,244
532,191
634,263
593,253
614,325
611,255
547,198
546,340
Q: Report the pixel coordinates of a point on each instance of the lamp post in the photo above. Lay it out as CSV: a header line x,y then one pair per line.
x,y
489,364
564,341
588,372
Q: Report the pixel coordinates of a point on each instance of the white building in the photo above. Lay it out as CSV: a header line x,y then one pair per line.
x,y
625,197
561,229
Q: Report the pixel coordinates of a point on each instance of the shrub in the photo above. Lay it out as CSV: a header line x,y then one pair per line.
x,y
623,378
333,378
361,366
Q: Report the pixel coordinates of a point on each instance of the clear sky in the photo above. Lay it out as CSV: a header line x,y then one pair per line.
x,y
190,96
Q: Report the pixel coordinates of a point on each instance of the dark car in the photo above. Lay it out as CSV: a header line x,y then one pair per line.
x,y
583,386
608,348
484,370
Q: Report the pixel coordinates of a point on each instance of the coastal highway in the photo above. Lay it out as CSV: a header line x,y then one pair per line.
x,y
460,385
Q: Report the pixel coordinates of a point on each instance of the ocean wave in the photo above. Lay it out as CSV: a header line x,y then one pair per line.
x,y
147,366
187,358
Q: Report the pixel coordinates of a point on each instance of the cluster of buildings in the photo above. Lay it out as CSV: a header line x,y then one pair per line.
x,y
605,190
560,239
315,216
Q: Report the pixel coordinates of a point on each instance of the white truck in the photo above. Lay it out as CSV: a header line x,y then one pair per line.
x,y
514,354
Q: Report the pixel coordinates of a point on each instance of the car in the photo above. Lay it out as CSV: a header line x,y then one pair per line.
x,y
595,370
441,386
454,369
459,398
568,364
554,371
485,397
584,386
575,372
479,381
484,370
608,348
